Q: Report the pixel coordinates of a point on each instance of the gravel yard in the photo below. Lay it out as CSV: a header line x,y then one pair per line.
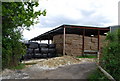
x,y
65,67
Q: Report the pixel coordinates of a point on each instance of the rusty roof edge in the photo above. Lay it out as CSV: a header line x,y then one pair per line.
x,y
65,25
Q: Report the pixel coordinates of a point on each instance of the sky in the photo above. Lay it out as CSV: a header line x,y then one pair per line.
x,y
75,12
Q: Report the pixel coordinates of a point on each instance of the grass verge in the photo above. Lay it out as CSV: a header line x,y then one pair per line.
x,y
97,75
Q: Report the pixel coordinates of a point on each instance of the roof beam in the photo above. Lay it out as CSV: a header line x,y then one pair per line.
x,y
89,28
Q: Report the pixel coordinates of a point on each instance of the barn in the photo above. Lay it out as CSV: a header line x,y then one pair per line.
x,y
75,40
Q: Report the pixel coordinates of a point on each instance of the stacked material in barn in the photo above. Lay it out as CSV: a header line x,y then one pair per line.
x,y
58,40
73,43
102,41
90,43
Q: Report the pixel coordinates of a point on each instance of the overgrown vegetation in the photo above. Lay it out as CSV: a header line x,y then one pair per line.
x,y
16,16
110,60
111,54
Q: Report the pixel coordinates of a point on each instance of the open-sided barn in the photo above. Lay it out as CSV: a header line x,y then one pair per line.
x,y
75,40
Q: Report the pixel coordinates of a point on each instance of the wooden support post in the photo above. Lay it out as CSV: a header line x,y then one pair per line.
x,y
48,41
83,42
48,45
98,40
48,38
98,47
64,41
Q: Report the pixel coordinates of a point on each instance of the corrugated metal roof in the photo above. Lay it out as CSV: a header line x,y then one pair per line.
x,y
71,29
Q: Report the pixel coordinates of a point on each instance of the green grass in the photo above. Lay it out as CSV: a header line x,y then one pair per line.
x,y
87,56
97,75
20,66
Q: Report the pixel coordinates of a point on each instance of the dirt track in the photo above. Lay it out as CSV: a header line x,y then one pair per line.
x,y
55,68
76,71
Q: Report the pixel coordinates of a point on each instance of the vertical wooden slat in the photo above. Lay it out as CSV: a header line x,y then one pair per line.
x,y
64,41
83,42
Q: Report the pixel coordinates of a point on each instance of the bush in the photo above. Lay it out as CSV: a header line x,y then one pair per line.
x,y
111,54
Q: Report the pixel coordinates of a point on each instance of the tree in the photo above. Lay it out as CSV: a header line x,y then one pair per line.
x,y
16,16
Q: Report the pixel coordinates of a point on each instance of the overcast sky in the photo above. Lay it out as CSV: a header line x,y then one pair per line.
x,y
75,12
